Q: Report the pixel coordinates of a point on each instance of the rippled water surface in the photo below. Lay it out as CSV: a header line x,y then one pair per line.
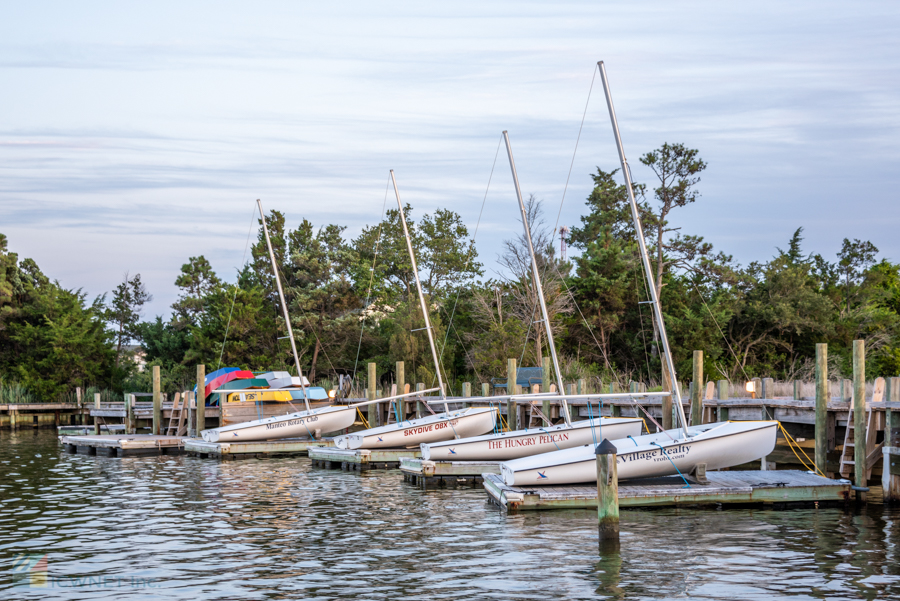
x,y
187,528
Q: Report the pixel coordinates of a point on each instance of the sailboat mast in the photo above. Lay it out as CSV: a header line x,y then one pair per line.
x,y
287,318
415,270
537,283
645,256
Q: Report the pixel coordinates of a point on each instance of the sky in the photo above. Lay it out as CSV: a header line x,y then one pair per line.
x,y
136,135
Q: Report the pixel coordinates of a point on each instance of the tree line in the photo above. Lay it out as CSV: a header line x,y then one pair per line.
x,y
353,300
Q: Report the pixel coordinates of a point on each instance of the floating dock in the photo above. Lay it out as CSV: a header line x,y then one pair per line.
x,y
446,474
89,430
776,488
261,449
120,445
360,459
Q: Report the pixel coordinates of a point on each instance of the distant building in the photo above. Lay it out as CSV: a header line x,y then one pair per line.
x,y
137,354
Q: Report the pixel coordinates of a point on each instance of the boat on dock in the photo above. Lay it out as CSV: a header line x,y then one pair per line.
x,y
311,422
532,441
666,453
429,429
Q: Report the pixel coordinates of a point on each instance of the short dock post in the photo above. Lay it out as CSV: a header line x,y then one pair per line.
x,y
422,411
97,417
667,401
859,417
607,491
13,414
821,407
768,392
401,388
130,427
697,390
511,375
846,390
722,394
797,384
80,419
546,378
485,389
372,395
157,401
890,475
467,392
201,399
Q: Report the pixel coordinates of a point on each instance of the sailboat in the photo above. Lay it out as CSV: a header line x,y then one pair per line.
x,y
311,422
433,428
532,441
718,445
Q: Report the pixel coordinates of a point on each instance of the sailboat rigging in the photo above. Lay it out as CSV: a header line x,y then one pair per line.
x,y
723,444
433,428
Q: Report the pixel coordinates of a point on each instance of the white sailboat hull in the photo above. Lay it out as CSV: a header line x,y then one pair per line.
x,y
433,428
533,441
720,445
302,423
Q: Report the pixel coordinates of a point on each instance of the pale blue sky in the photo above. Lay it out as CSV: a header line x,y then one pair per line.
x,y
134,136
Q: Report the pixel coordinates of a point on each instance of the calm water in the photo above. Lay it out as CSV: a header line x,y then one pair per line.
x,y
186,528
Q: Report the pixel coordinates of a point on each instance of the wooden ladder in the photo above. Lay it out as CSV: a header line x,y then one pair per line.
x,y
176,426
873,451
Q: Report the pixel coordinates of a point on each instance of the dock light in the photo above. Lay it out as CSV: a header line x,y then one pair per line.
x,y
751,386
332,393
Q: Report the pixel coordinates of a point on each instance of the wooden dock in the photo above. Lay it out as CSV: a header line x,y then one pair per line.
x,y
360,459
253,450
118,445
446,474
774,488
89,430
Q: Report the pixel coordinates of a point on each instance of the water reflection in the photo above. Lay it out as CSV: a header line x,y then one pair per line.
x,y
185,528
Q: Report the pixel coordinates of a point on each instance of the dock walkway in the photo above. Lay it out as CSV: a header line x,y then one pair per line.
x,y
121,445
261,449
446,474
779,488
360,459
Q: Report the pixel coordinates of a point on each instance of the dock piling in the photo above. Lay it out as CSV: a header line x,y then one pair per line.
x,y
201,399
97,418
667,406
821,407
372,394
607,491
511,375
859,417
485,389
697,390
401,388
157,401
546,378
722,394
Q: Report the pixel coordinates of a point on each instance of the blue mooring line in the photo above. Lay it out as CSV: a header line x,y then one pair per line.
x,y
686,483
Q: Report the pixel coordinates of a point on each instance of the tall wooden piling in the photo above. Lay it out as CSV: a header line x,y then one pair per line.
x,y
607,491
859,415
466,391
667,401
97,417
821,407
401,387
129,414
546,379
511,389
697,390
890,476
768,392
722,394
372,382
157,401
200,397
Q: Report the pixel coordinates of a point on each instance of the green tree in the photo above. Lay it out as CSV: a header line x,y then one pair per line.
x,y
124,310
196,281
